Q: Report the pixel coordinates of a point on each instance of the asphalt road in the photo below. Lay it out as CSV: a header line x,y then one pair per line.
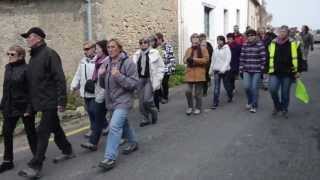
x,y
226,144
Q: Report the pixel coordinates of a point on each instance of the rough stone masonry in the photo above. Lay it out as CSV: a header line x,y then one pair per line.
x,y
65,24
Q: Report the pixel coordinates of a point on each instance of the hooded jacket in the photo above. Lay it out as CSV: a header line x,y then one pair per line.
x,y
119,89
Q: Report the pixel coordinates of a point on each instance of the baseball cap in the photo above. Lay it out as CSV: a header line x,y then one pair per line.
x,y
36,30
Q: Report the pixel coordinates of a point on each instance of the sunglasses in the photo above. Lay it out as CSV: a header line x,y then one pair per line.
x,y
251,35
87,49
11,54
143,42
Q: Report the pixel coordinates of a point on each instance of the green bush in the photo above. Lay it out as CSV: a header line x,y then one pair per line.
x,y
73,100
178,78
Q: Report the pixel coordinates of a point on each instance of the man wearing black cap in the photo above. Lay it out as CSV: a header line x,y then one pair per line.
x,y
48,96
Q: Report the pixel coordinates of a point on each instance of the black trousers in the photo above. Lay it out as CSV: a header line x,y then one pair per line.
x,y
165,87
8,128
49,123
157,97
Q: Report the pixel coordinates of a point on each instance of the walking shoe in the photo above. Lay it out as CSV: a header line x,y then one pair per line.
x,y
107,164
230,100
285,114
253,110
130,149
164,101
248,106
143,124
88,134
5,166
196,112
105,131
89,146
189,111
123,141
64,157
214,106
275,112
30,173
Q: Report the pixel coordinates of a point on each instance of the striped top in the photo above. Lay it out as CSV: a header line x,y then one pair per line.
x,y
253,58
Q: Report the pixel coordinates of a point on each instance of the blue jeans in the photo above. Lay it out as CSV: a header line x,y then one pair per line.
x,y
282,84
100,122
119,124
90,106
227,83
251,84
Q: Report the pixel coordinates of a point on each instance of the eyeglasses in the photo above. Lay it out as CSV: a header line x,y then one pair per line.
x,y
143,42
251,35
87,48
11,54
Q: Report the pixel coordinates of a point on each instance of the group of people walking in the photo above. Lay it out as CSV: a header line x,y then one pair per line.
x,y
257,57
107,79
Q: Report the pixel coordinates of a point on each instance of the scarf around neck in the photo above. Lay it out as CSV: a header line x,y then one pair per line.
x,y
143,55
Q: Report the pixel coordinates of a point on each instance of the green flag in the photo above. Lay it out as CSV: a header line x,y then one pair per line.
x,y
301,92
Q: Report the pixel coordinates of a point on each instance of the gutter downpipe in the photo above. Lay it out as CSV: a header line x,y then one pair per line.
x,y
89,19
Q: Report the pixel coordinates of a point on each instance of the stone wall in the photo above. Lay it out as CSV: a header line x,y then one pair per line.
x,y
130,20
64,22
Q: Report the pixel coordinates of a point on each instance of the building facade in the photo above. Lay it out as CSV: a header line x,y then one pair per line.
x,y
213,17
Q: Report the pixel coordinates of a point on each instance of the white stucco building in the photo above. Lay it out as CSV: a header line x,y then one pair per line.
x,y
213,17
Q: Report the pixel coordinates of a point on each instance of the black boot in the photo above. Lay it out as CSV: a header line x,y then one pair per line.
x,y
5,166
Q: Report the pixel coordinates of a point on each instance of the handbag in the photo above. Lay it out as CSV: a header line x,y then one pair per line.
x,y
89,86
301,92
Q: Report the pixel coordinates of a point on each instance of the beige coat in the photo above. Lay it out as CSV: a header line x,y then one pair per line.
x,y
197,73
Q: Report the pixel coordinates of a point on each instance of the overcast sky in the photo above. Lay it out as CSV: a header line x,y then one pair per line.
x,y
295,12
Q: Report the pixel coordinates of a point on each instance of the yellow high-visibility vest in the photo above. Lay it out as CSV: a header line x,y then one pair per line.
x,y
294,54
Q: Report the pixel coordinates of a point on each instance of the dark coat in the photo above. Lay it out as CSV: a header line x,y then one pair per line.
x,y
235,57
47,80
283,59
15,101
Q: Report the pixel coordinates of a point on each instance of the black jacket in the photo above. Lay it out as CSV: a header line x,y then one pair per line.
x,y
15,100
283,59
47,80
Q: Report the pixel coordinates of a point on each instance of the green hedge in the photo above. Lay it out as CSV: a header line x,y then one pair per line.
x,y
178,78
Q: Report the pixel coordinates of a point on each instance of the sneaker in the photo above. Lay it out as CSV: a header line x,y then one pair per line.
x,y
143,124
164,101
123,141
30,173
253,110
196,111
107,164
275,112
5,166
88,134
285,114
64,157
214,106
230,100
189,111
248,106
89,146
130,149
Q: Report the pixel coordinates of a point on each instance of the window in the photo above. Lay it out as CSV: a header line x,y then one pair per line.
x,y
226,21
207,12
238,17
